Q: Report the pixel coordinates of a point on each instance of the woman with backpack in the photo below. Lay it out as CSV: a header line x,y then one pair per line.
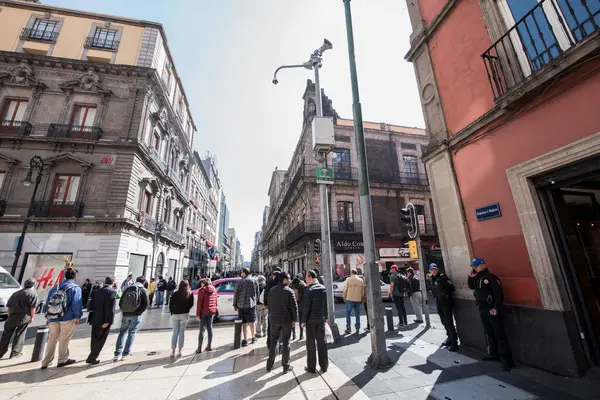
x,y
180,305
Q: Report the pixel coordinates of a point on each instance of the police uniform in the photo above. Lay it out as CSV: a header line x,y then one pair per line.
x,y
443,290
489,296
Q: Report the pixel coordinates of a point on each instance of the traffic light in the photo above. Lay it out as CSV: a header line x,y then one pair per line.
x,y
412,249
317,246
409,218
317,260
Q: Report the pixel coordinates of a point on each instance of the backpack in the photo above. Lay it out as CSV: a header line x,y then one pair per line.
x,y
57,304
131,300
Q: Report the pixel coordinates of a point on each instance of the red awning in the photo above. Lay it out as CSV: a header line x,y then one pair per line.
x,y
209,244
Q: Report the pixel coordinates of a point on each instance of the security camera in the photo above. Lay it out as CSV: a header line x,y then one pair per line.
x,y
275,81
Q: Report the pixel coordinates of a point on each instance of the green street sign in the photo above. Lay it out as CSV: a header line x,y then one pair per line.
x,y
325,175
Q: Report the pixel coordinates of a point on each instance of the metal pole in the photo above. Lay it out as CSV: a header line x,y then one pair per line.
x,y
327,258
19,248
379,357
422,273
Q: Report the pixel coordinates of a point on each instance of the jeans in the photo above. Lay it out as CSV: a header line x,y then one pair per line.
x,y
399,300
206,321
179,323
353,305
15,324
129,326
160,298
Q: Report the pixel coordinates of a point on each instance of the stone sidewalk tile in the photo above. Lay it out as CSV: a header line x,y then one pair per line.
x,y
478,387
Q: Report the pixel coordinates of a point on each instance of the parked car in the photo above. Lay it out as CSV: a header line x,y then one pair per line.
x,y
338,289
225,288
8,285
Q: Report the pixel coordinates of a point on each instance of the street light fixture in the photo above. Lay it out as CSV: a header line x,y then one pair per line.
x,y
314,63
35,164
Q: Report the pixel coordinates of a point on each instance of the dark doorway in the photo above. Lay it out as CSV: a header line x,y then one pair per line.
x,y
572,201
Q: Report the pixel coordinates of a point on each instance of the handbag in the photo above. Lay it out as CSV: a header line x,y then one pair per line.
x,y
328,334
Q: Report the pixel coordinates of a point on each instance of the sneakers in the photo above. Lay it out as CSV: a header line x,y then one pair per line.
x,y
68,362
348,330
93,362
179,355
19,355
244,343
118,358
419,321
288,368
208,348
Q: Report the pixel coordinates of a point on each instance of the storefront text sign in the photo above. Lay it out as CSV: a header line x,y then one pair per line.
x,y
488,212
348,246
108,160
394,252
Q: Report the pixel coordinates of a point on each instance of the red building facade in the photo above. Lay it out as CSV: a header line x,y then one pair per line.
x,y
511,95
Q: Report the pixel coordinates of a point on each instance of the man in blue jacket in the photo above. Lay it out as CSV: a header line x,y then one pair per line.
x,y
63,327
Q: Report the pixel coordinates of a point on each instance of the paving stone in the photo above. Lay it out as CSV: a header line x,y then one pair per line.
x,y
477,388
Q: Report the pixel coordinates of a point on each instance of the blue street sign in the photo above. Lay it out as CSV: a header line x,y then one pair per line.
x,y
488,212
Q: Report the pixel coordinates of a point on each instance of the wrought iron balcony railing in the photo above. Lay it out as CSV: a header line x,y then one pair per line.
x,y
75,132
148,222
172,234
39,35
58,209
177,182
17,128
540,36
92,42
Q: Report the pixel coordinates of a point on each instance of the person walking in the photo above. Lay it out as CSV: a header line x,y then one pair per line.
x,y
133,303
21,307
415,295
274,281
64,309
101,317
283,313
443,290
354,292
180,305
261,310
151,291
128,282
489,296
314,318
298,286
398,285
205,312
171,286
86,289
161,288
244,302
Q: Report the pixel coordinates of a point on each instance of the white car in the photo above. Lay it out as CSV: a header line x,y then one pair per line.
x,y
225,288
8,285
338,289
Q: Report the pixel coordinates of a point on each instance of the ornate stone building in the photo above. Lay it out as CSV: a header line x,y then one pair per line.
x,y
397,177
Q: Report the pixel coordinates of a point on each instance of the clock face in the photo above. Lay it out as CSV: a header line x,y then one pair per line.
x,y
312,107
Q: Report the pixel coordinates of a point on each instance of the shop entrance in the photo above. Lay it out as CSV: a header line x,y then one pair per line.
x,y
571,198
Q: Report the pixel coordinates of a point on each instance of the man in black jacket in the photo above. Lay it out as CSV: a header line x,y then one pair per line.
x,y
443,290
102,313
490,300
283,314
314,318
270,285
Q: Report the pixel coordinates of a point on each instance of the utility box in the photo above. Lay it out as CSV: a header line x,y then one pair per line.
x,y
322,134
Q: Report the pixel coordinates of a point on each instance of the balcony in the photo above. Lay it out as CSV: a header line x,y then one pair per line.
x,y
349,227
172,234
15,128
542,35
305,227
177,182
39,35
92,42
395,178
63,209
148,222
75,132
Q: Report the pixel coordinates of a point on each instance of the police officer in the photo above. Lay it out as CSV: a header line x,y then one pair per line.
x,y
489,297
443,290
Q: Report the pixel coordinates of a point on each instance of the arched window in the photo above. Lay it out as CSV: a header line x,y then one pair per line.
x,y
173,159
160,264
167,211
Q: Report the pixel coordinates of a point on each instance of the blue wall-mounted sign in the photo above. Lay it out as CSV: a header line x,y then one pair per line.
x,y
488,212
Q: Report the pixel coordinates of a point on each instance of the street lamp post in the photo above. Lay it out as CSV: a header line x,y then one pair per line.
x,y
157,232
36,163
314,63
379,357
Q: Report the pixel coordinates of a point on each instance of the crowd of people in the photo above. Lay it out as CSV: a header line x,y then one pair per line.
x,y
272,307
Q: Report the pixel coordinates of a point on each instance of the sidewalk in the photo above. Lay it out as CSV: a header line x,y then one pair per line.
x,y
421,370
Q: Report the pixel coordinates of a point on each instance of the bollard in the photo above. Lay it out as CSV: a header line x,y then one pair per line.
x,y
41,338
390,319
237,338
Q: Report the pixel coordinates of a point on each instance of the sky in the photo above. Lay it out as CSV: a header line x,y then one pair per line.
x,y
226,51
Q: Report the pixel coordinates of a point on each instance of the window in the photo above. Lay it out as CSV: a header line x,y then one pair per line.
x,y
83,117
408,146
13,110
105,38
177,221
410,165
166,76
43,30
156,142
167,211
180,105
341,164
2,176
146,202
173,159
65,189
345,216
228,286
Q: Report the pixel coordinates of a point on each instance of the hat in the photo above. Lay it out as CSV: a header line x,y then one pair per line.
x,y
477,262
433,266
394,267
